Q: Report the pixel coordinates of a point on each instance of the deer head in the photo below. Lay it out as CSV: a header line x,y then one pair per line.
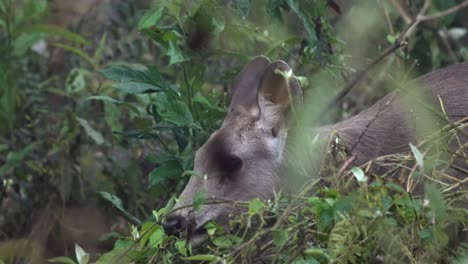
x,y
240,160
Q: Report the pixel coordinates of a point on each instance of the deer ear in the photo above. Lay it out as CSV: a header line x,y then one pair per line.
x,y
278,92
245,90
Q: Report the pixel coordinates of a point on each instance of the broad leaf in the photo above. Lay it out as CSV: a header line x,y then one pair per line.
x,y
222,242
418,156
150,18
175,111
136,87
175,54
198,200
117,203
157,237
255,206
169,170
202,100
359,174
123,73
81,256
280,237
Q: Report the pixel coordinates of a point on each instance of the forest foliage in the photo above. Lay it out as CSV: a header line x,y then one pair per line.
x,y
115,124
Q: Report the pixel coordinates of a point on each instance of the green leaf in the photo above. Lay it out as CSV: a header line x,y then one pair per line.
x,y
211,228
117,203
76,80
425,234
81,256
159,158
392,38
255,206
157,238
24,42
175,54
157,79
222,242
150,18
436,202
359,174
104,98
113,199
147,229
280,237
59,31
95,135
120,256
205,257
169,170
218,23
202,100
198,200
418,156
124,73
175,111
63,260
124,243
171,35
76,51
136,87
181,247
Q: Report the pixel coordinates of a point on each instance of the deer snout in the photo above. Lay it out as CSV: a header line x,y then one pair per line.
x,y
174,224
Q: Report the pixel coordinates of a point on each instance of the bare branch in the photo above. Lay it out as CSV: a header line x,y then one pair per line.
x,y
406,17
445,12
398,44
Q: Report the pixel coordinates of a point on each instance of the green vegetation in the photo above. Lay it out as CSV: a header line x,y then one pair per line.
x,y
110,131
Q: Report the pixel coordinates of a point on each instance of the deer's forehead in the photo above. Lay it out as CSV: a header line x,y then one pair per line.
x,y
242,129
233,136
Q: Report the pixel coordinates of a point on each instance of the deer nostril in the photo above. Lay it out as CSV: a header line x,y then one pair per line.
x,y
174,224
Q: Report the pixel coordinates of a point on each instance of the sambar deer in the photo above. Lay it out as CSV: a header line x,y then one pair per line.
x,y
242,159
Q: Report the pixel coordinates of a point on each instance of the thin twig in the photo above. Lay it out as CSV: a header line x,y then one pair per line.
x,y
387,17
445,12
361,75
346,164
406,17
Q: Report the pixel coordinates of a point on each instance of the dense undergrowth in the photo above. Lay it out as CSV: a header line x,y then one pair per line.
x,y
86,134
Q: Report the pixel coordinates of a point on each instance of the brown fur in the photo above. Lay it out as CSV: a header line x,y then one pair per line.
x,y
242,159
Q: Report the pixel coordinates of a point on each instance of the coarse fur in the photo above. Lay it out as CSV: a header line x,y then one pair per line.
x,y
242,159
